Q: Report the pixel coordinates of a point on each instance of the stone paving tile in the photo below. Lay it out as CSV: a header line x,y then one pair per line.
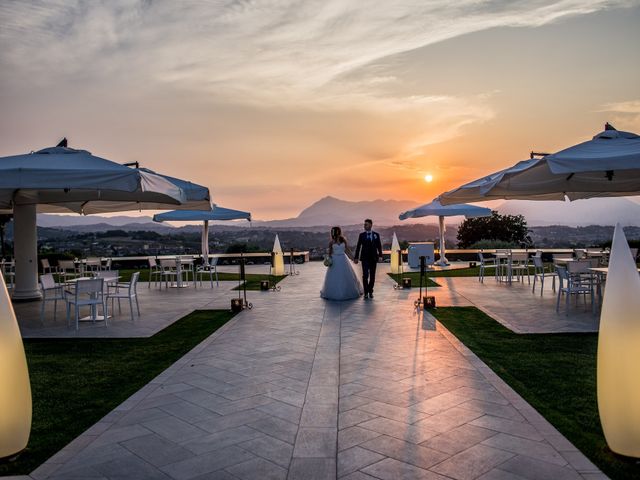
x,y
391,469
503,425
319,415
353,417
472,462
316,442
355,458
352,436
399,430
529,448
276,427
157,450
400,414
221,439
207,463
534,469
459,439
312,469
271,449
406,452
357,389
258,469
173,428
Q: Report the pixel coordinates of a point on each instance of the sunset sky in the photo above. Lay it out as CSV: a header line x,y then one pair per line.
x,y
274,104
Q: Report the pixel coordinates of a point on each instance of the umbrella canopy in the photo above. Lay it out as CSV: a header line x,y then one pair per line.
x,y
64,180
214,213
606,166
435,208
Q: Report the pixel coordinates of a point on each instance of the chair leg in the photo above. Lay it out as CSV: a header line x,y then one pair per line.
x,y
55,309
131,307
137,305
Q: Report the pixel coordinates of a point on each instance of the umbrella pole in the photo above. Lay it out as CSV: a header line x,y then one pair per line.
x,y
443,262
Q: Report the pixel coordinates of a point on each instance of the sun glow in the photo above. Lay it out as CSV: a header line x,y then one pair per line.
x,y
428,178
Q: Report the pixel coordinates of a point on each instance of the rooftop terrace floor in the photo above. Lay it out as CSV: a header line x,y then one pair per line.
x,y
302,388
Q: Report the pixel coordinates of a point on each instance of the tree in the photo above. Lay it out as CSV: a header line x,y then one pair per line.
x,y
510,229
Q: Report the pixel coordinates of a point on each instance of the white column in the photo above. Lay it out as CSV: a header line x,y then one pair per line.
x,y
25,247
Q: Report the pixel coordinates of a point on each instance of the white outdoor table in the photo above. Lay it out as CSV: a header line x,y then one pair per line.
x,y
94,311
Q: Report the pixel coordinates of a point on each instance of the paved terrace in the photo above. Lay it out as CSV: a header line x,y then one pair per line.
x,y
301,388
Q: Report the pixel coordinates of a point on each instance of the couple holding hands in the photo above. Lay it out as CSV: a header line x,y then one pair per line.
x,y
341,281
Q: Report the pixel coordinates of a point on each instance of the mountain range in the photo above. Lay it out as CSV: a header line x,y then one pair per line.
x,y
333,211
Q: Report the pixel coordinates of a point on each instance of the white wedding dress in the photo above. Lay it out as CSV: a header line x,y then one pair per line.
x,y
341,281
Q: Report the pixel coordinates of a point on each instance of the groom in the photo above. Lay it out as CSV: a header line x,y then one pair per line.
x,y
369,250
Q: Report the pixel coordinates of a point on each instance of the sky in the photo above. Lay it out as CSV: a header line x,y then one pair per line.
x,y
275,104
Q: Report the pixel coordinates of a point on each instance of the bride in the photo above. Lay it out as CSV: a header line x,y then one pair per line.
x,y
340,281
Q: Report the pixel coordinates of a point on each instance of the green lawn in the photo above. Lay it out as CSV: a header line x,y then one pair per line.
x,y
555,373
75,382
253,279
415,280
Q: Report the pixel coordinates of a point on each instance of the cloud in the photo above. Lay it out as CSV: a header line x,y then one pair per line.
x,y
624,115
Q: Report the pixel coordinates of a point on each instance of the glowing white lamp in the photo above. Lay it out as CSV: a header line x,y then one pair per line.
x,y
277,264
619,351
15,389
395,256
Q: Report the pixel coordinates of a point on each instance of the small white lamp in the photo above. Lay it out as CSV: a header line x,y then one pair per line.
x,y
277,267
15,389
619,351
395,260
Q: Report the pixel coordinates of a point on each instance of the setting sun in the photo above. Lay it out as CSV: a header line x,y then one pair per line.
x,y
428,178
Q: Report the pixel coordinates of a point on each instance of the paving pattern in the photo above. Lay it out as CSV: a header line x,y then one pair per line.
x,y
302,388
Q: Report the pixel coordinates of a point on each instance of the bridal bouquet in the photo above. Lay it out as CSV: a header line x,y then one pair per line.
x,y
328,261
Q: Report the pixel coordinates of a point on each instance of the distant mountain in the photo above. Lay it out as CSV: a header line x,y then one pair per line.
x,y
593,211
47,220
333,211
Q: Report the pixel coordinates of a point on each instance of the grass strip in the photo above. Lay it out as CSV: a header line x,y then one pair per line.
x,y
75,382
415,279
555,373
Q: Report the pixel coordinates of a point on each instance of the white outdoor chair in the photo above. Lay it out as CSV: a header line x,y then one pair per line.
x,y
520,265
541,273
46,266
106,264
67,269
154,271
93,264
51,292
187,267
128,290
209,269
484,264
89,292
574,280
168,271
8,271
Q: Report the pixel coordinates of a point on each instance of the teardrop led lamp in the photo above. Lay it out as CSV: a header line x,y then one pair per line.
x,y
395,255
619,351
277,266
15,389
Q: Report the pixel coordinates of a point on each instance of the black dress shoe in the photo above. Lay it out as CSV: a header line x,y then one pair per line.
x,y
370,294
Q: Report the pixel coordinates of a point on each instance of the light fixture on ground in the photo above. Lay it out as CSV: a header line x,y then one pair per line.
x,y
277,263
15,389
619,351
395,254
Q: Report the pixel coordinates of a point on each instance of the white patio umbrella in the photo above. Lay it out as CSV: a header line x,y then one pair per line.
x,y
606,166
435,208
61,179
215,213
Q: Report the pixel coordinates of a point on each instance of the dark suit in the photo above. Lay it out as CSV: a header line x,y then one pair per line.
x,y
368,250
